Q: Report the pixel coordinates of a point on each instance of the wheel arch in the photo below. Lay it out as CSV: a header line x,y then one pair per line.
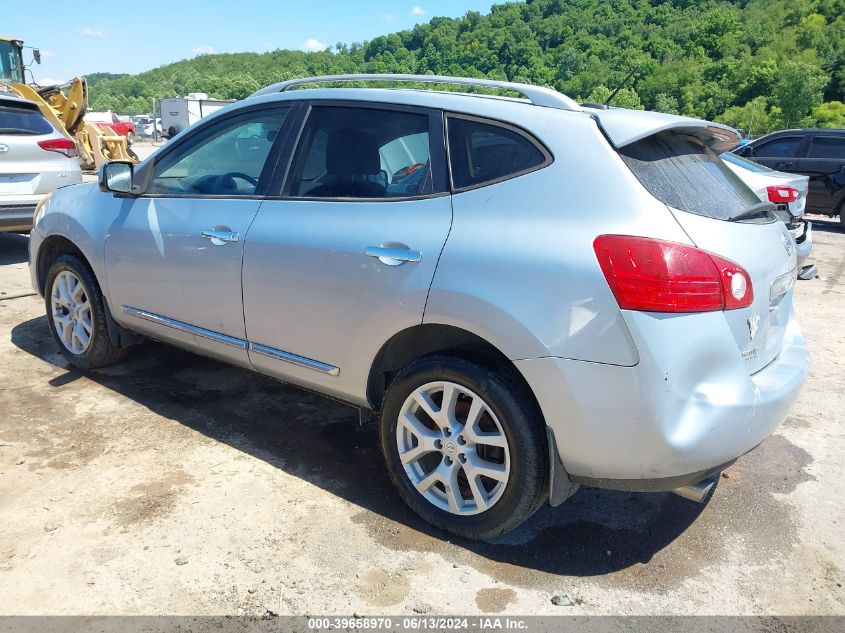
x,y
426,339
52,247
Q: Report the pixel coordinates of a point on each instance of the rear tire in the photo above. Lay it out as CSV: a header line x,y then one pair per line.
x,y
490,444
76,315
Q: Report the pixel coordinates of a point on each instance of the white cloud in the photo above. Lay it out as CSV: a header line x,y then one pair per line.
x,y
49,81
417,10
313,45
89,32
204,50
47,54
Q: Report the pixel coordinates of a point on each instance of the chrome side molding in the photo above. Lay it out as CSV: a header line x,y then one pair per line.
x,y
185,327
294,359
264,350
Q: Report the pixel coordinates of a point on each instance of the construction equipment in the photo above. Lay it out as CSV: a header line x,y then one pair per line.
x,y
64,105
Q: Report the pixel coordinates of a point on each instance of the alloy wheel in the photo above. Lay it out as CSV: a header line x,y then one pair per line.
x,y
453,448
71,311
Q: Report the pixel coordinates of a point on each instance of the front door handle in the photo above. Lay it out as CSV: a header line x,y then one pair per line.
x,y
218,238
393,255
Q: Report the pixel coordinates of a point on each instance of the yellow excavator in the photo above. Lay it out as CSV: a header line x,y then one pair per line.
x,y
64,106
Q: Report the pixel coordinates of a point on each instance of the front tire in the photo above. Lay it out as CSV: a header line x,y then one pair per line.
x,y
465,446
76,315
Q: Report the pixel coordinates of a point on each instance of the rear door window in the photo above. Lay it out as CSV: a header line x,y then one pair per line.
x,y
484,152
680,171
23,121
827,147
786,147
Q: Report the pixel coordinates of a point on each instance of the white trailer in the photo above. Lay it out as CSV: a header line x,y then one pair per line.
x,y
178,114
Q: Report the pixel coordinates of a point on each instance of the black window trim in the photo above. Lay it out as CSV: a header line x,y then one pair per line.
x,y
548,157
145,169
436,146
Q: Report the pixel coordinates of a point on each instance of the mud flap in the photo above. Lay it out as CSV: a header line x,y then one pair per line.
x,y
560,486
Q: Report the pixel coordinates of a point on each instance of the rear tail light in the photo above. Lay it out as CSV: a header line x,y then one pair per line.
x,y
658,276
63,146
782,195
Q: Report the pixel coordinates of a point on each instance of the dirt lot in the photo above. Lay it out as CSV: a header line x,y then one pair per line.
x,y
175,484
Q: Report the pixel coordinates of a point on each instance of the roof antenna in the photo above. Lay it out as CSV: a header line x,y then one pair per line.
x,y
621,84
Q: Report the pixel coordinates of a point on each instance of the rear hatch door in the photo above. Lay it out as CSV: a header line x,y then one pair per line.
x,y
678,163
21,159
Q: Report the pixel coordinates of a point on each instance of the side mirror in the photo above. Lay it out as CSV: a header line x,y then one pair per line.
x,y
36,55
116,176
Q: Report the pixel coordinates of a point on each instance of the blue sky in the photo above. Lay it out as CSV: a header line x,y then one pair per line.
x,y
115,36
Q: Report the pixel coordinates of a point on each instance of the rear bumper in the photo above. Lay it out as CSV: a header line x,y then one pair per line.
x,y
804,244
685,411
16,216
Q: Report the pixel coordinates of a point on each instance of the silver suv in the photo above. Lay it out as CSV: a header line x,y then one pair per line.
x,y
532,295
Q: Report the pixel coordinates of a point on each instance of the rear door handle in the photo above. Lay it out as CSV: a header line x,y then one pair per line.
x,y
219,238
393,255
785,164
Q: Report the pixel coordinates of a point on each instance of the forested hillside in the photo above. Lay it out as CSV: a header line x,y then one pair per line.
x,y
755,64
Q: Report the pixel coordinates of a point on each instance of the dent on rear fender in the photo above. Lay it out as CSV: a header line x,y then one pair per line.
x,y
604,339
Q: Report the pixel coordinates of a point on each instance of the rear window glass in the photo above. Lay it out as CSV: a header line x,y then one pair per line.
x,y
827,147
681,172
482,153
21,121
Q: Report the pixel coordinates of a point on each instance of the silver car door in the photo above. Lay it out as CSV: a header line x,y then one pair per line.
x,y
345,257
173,256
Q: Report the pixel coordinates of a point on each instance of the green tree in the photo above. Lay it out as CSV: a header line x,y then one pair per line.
x,y
754,117
666,103
799,89
625,98
830,114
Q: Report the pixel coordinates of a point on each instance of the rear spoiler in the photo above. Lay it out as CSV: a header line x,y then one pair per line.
x,y
623,127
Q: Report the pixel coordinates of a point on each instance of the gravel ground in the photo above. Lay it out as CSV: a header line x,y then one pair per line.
x,y
173,484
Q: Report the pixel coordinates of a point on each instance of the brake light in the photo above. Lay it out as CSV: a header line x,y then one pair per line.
x,y
782,195
659,276
63,146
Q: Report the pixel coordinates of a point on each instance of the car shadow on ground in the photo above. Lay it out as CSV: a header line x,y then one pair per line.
x,y
13,248
320,441
826,224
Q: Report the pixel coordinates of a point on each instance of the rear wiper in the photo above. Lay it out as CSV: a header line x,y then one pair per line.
x,y
15,130
761,208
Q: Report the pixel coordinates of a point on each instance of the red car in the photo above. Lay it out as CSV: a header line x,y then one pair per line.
x,y
110,119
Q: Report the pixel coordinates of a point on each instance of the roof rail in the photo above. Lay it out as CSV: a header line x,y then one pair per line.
x,y
537,95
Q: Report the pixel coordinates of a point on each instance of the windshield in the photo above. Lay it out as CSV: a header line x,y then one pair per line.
x,y
11,66
739,161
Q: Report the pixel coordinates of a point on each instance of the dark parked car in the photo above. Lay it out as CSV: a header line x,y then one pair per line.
x,y
817,153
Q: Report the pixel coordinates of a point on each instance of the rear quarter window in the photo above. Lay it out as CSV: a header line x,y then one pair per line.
x,y
23,121
680,171
827,147
482,152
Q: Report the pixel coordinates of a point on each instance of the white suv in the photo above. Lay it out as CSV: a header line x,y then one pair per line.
x,y
35,160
